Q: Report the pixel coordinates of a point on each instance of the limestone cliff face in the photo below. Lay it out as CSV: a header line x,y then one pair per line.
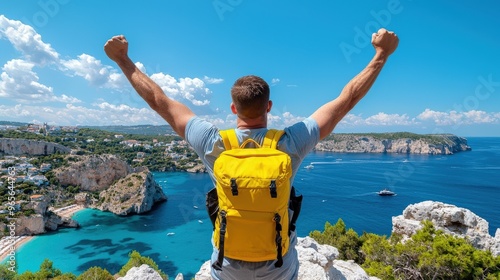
x,y
436,144
133,194
451,219
94,172
19,147
38,224
42,221
30,225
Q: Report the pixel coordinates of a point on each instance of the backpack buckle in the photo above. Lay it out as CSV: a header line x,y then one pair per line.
x,y
272,188
234,187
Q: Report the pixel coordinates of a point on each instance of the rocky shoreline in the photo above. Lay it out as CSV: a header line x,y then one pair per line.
x,y
406,143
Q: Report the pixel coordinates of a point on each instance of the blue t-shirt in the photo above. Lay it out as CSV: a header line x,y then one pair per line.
x,y
298,140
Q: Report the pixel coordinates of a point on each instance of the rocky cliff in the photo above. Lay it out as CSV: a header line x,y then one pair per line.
x,y
404,143
42,221
451,219
93,173
134,194
19,147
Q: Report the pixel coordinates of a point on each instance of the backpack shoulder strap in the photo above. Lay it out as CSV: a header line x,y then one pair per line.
x,y
272,138
229,138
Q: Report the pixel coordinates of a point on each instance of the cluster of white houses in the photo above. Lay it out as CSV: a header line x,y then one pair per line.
x,y
25,172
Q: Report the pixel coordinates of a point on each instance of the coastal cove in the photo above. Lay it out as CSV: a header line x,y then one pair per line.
x,y
176,234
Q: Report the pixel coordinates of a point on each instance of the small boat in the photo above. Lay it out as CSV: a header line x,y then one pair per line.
x,y
386,192
200,221
310,166
170,233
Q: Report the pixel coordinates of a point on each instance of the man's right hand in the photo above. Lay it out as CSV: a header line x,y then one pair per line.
x,y
385,42
116,48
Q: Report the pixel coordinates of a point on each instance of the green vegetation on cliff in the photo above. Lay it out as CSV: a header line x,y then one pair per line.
x,y
429,254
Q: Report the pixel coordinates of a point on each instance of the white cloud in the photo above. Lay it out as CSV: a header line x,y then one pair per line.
x,y
459,118
19,82
90,69
275,81
25,39
379,119
99,114
388,119
211,81
352,120
192,90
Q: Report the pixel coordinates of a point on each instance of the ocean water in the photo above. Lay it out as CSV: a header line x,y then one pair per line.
x,y
177,233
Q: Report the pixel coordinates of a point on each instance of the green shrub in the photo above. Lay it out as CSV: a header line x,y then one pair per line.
x,y
96,273
136,260
429,254
346,241
5,273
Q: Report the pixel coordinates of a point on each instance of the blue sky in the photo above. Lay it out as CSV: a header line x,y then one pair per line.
x,y
443,78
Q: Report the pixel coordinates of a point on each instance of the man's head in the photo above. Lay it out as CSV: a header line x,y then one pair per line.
x,y
250,96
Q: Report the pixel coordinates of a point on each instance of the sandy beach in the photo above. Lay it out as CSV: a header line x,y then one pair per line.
x,y
6,243
68,211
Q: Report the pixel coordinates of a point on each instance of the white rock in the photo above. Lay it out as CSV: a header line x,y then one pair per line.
x,y
144,272
347,270
451,219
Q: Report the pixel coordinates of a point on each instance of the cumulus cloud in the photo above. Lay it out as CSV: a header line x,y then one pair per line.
x,y
388,119
19,82
192,90
379,119
99,114
92,70
26,40
459,118
275,81
212,81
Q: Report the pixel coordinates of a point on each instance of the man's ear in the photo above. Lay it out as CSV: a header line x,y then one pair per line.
x,y
269,106
233,109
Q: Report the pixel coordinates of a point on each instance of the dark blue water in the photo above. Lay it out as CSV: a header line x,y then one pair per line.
x,y
339,186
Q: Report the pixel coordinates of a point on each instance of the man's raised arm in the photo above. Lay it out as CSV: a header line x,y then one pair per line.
x,y
174,112
328,115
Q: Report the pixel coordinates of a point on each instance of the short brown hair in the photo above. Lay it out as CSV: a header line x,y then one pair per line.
x,y
250,96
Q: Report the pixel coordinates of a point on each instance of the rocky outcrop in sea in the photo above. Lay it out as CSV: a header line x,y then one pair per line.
x,y
18,147
135,193
439,144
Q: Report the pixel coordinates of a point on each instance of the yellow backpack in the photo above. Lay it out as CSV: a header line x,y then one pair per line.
x,y
253,193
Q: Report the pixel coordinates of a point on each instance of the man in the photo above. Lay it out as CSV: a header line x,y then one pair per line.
x,y
251,104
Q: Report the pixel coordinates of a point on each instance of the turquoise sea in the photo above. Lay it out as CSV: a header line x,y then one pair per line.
x,y
177,233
